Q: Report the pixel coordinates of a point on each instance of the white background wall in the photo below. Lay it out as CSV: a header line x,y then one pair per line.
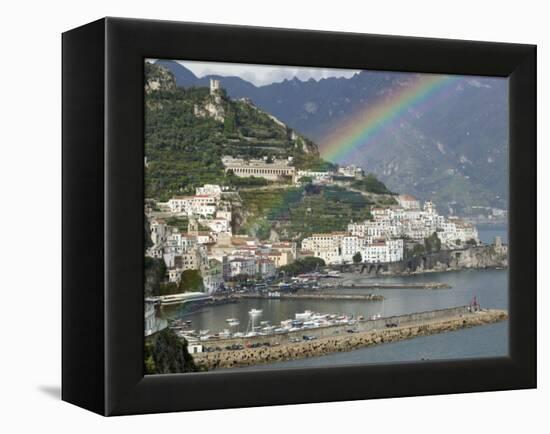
x,y
30,103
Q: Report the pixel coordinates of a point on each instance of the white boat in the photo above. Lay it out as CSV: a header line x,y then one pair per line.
x,y
204,332
231,320
255,312
234,323
377,316
309,324
238,335
225,334
304,315
251,334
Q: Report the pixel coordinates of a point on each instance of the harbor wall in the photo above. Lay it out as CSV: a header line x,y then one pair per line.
x,y
375,332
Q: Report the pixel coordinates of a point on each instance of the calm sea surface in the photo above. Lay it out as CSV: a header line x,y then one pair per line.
x,y
490,287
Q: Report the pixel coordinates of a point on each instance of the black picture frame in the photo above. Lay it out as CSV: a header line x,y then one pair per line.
x,y
103,225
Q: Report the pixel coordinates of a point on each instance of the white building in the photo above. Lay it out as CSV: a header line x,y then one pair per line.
x,y
209,190
205,205
265,267
272,171
351,171
217,225
240,266
407,201
158,231
327,246
315,176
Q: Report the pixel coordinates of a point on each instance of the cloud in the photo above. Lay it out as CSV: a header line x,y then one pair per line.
x,y
261,75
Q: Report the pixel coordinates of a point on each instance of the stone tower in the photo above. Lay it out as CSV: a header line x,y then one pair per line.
x,y
214,86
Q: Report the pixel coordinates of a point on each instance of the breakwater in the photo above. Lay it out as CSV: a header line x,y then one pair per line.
x,y
338,338
313,296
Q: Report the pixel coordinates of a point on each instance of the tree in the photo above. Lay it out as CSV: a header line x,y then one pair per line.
x,y
418,250
357,258
432,243
305,180
191,280
165,353
155,273
229,124
471,242
305,265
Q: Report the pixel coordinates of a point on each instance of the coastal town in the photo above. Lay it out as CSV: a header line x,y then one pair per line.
x,y
275,222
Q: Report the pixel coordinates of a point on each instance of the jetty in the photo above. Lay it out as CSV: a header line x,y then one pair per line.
x,y
311,296
327,340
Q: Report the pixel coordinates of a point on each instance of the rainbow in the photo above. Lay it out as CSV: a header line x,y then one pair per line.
x,y
362,126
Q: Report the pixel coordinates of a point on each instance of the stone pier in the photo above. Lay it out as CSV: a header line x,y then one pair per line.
x,y
386,330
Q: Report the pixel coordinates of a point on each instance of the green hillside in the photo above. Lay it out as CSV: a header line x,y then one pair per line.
x,y
184,149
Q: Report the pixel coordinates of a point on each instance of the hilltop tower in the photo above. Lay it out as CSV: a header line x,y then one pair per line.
x,y
214,86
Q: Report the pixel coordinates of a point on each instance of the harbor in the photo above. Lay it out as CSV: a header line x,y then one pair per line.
x,y
255,350
398,300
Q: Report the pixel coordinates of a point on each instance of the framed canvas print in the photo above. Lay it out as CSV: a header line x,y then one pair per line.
x,y
262,216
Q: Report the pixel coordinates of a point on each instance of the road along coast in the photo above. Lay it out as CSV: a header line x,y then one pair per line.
x,y
333,339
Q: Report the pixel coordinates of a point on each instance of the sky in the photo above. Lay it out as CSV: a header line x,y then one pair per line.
x,y
261,75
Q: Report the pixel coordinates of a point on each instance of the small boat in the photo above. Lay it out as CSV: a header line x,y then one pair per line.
x,y
225,334
255,312
377,316
231,319
234,323
204,332
304,315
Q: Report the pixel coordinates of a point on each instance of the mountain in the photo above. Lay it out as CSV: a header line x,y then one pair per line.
x,y
454,153
183,77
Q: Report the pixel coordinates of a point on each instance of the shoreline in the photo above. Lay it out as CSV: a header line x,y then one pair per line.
x,y
400,328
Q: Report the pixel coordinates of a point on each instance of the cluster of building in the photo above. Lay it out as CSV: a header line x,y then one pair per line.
x,y
247,256
208,244
382,239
